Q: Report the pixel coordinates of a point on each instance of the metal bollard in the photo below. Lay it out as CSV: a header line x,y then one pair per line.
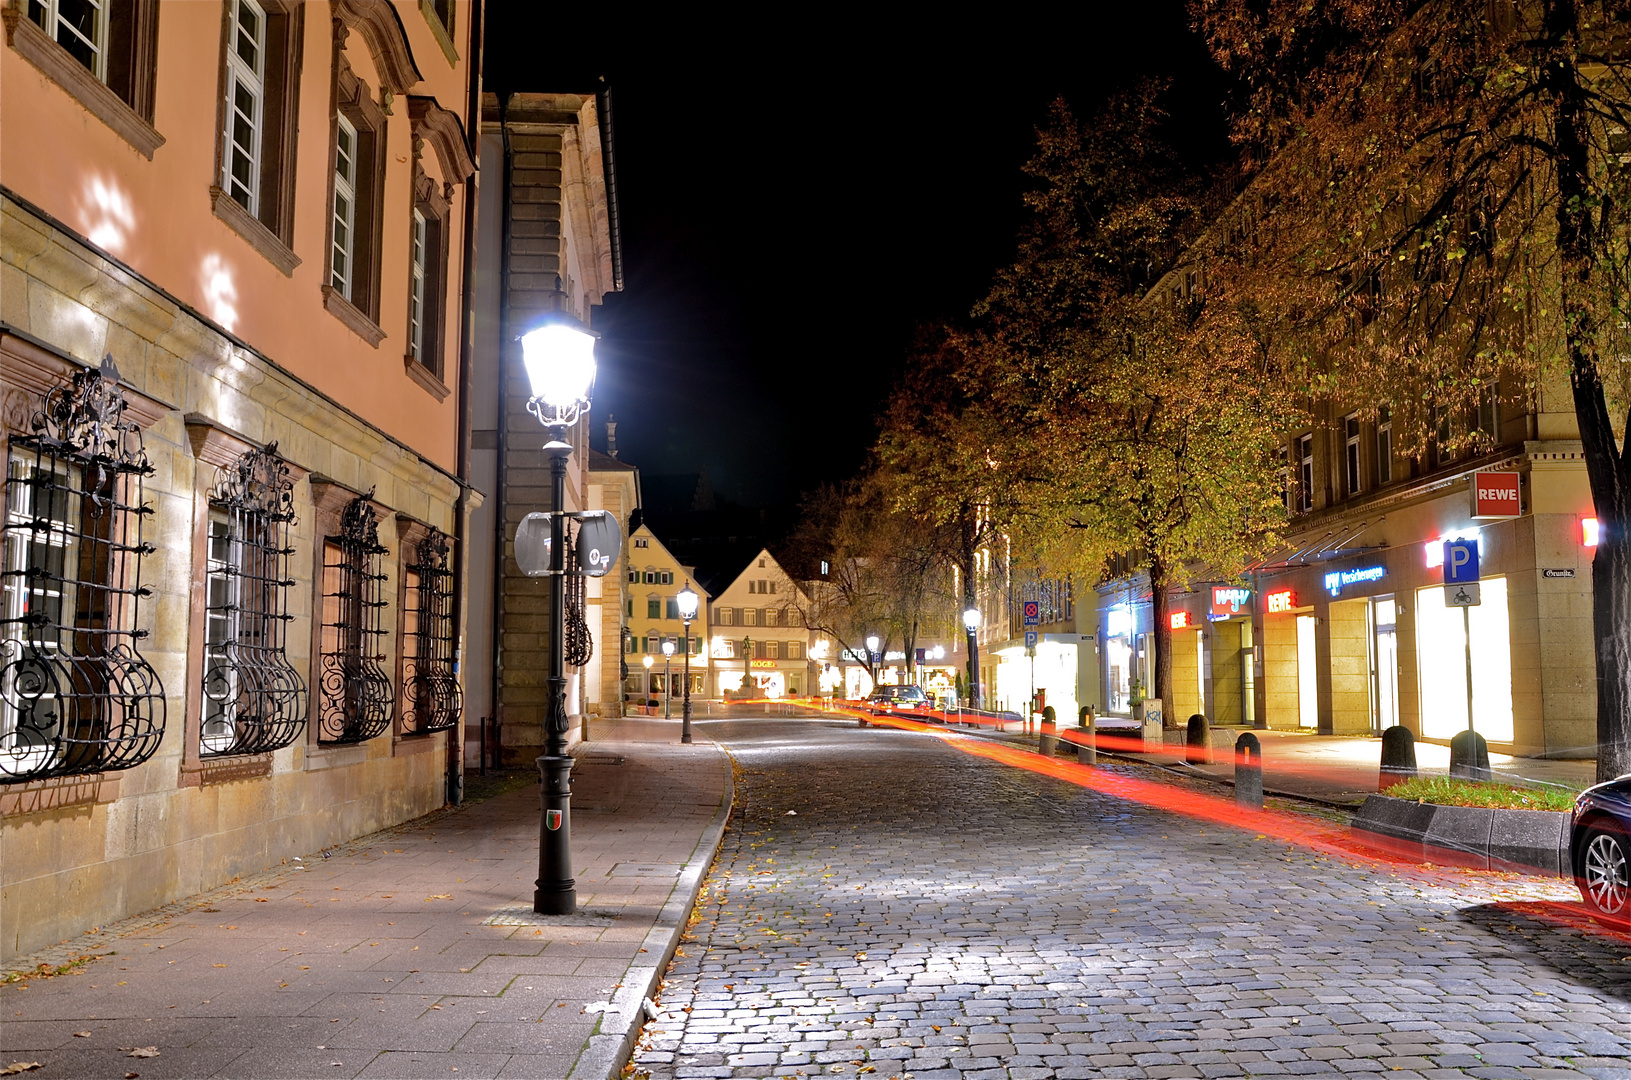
x,y
1249,771
1469,757
1087,751
1398,757
1197,741
1048,744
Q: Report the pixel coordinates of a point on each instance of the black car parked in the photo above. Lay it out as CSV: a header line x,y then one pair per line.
x,y
1601,849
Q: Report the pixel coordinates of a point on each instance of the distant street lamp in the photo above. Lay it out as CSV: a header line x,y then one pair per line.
x,y
648,660
687,600
559,356
875,656
971,623
668,679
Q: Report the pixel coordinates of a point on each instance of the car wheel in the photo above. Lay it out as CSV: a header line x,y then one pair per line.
x,y
1604,875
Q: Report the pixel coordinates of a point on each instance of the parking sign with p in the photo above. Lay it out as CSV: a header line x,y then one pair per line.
x,y
1460,562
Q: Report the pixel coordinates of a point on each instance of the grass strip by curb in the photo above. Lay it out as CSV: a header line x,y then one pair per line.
x,y
1447,791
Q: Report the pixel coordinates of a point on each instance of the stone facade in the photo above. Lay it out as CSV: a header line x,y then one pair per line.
x,y
224,340
548,248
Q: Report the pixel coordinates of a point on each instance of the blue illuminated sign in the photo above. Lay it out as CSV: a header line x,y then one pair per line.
x,y
1338,580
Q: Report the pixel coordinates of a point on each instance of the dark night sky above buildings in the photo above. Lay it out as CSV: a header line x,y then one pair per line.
x,y
796,200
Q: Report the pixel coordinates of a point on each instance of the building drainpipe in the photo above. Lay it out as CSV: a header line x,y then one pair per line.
x,y
503,438
467,353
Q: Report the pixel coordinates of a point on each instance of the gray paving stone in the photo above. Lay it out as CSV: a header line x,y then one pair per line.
x,y
1048,926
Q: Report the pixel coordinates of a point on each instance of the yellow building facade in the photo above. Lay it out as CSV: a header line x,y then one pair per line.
x,y
653,579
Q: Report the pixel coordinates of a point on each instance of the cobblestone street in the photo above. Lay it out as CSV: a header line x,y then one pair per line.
x,y
885,904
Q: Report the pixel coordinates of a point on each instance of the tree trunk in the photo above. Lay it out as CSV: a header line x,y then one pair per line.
x,y
1161,638
966,532
1606,465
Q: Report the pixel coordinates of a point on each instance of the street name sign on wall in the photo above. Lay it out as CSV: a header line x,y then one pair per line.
x,y
1495,495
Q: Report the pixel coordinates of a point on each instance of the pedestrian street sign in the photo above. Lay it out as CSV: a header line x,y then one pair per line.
x,y
1030,639
1462,596
1033,615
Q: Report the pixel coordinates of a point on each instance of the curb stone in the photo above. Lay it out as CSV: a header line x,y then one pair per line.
x,y
1480,837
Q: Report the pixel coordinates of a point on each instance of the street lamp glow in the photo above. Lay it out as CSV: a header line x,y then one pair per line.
x,y
648,660
668,648
687,601
872,643
560,362
971,619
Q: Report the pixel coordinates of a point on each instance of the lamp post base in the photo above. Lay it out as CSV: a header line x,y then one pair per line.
x,y
556,892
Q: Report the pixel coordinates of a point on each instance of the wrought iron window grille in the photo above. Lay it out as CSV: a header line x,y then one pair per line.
x,y
75,695
254,700
432,699
579,645
356,701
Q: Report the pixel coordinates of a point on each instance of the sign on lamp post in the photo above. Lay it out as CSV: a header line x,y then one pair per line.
x,y
1461,587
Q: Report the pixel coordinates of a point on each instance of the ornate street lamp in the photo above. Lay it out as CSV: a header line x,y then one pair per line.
x,y
687,600
648,660
559,357
668,679
971,623
876,657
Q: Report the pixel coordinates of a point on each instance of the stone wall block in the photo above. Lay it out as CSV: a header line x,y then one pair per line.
x,y
536,160
523,143
64,269
72,327
22,237
13,296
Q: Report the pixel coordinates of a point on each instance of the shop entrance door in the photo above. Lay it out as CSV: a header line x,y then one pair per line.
x,y
1308,684
1384,664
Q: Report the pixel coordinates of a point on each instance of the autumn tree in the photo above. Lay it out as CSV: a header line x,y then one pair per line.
x,y
943,459
1134,389
1443,197
886,574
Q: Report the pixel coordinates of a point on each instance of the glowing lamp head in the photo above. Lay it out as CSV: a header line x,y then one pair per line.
x,y
687,601
648,660
560,362
668,648
971,620
872,643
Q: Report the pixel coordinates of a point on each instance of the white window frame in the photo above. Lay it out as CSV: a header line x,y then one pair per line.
x,y
1351,458
16,592
252,79
1305,472
223,555
1384,447
55,27
343,249
416,294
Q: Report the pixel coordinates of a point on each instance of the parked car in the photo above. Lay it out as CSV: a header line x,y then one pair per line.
x,y
897,699
1600,847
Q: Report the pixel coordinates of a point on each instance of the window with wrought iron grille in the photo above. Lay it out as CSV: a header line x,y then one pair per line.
x,y
254,701
75,696
431,698
355,692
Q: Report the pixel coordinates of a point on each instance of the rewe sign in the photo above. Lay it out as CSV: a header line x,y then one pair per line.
x,y
1495,495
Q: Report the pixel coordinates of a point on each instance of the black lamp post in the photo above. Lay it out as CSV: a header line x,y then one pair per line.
x,y
687,600
668,680
971,623
560,363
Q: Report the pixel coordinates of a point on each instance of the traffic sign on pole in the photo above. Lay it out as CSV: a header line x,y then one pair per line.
x,y
1033,613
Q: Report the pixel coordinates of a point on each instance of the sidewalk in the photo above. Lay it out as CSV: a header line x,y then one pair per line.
x,y
413,952
1335,769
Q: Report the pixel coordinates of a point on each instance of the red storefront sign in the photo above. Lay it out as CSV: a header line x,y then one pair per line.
x,y
1178,620
1495,495
1284,600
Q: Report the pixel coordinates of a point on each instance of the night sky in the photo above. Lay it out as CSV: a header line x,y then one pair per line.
x,y
795,201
